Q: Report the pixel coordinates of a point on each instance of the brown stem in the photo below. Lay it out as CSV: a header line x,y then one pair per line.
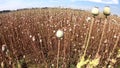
x,y
114,47
103,32
89,35
58,53
64,59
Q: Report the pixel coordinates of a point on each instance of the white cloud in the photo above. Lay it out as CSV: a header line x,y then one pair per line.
x,y
110,1
101,1
16,4
11,4
56,0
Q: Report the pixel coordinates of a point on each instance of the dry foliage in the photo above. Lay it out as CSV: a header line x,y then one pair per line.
x,y
32,33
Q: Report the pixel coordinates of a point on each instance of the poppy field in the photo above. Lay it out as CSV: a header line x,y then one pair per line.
x,y
28,39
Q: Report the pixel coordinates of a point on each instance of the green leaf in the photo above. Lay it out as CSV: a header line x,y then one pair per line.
x,y
82,62
93,63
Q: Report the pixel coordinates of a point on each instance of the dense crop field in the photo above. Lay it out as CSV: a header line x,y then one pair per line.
x,y
29,37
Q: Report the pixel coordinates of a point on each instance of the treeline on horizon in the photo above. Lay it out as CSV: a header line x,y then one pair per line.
x,y
6,11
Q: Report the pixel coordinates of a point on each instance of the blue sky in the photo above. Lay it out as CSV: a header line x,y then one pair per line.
x,y
79,4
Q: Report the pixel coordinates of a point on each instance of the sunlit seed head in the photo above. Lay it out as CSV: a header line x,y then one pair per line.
x,y
88,19
80,43
109,30
4,47
9,62
85,33
105,41
114,21
19,26
7,52
75,50
115,36
106,51
81,36
2,64
33,38
35,59
48,25
53,31
84,24
106,10
109,66
113,61
61,38
30,36
95,11
98,30
113,31
38,34
65,29
92,37
68,24
77,35
50,42
75,25
59,33
67,21
55,25
74,45
42,25
24,56
71,39
70,29
22,32
52,65
38,22
83,47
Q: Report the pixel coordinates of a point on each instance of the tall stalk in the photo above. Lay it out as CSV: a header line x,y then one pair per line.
x,y
101,39
89,35
116,43
58,53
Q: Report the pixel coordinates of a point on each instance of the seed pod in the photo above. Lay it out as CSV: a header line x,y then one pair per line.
x,y
106,11
4,48
59,33
95,11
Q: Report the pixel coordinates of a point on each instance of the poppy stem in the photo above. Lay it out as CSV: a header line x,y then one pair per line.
x,y
58,53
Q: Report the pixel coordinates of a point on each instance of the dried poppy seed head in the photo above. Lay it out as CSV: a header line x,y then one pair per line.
x,y
95,11
59,33
106,11
4,48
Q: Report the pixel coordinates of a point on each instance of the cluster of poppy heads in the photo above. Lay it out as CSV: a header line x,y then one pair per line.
x,y
95,12
106,11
